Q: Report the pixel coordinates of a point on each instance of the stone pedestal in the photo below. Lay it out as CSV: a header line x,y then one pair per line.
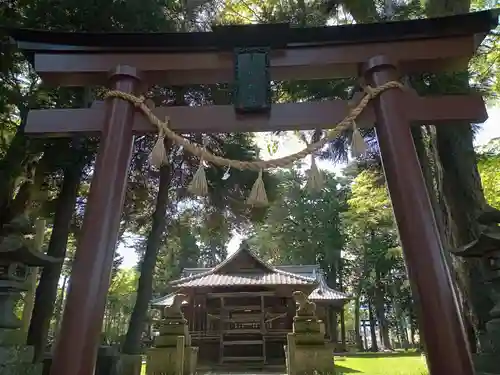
x,y
487,361
169,333
16,359
314,358
172,353
306,351
130,364
166,360
308,332
190,360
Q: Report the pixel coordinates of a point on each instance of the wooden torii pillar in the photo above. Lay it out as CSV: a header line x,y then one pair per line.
x,y
380,52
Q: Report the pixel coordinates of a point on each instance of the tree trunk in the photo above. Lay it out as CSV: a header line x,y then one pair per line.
x,y
340,266
465,200
373,326
342,329
402,324
332,321
60,306
471,334
380,312
11,166
109,321
46,292
462,183
399,343
411,318
357,320
430,179
138,318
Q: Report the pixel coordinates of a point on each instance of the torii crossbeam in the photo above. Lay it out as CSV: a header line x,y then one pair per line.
x,y
377,52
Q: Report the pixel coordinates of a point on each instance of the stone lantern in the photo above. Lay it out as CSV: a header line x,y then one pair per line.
x,y
487,248
17,255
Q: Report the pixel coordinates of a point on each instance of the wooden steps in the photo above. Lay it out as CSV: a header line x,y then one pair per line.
x,y
238,331
242,359
248,367
243,342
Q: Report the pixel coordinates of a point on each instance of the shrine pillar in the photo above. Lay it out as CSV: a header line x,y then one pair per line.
x,y
76,348
440,320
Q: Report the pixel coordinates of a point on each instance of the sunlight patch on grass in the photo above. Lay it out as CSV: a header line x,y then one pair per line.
x,y
412,364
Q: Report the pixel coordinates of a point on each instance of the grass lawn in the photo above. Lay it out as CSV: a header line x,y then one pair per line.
x,y
382,364
376,364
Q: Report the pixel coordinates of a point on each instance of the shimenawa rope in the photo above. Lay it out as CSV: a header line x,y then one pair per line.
x,y
258,194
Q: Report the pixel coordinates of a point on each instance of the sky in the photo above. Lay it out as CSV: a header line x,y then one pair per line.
x,y
289,144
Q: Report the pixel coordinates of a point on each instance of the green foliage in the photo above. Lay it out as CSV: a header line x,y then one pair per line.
x,y
121,299
297,13
375,271
369,204
303,227
489,169
370,228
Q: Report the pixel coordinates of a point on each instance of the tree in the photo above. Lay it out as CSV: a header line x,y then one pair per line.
x,y
464,196
25,161
46,292
290,232
303,227
372,238
121,298
446,153
172,176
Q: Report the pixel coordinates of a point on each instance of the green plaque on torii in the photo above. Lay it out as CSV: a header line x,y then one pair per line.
x,y
252,93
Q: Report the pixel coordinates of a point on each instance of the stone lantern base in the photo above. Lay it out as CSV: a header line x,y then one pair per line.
x,y
16,359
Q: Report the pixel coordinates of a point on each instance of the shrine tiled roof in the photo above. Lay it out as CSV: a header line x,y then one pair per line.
x,y
165,300
324,293
277,277
263,274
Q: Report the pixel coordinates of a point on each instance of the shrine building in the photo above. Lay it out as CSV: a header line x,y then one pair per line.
x,y
242,310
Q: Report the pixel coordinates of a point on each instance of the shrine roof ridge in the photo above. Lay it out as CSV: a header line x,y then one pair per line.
x,y
257,35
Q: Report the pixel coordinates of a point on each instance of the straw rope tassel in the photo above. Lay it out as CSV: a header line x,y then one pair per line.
x,y
358,145
199,185
258,196
158,154
315,182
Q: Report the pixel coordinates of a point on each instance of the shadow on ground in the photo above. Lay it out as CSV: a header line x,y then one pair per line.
x,y
339,369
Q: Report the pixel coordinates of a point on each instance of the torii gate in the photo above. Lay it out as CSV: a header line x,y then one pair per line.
x,y
377,52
